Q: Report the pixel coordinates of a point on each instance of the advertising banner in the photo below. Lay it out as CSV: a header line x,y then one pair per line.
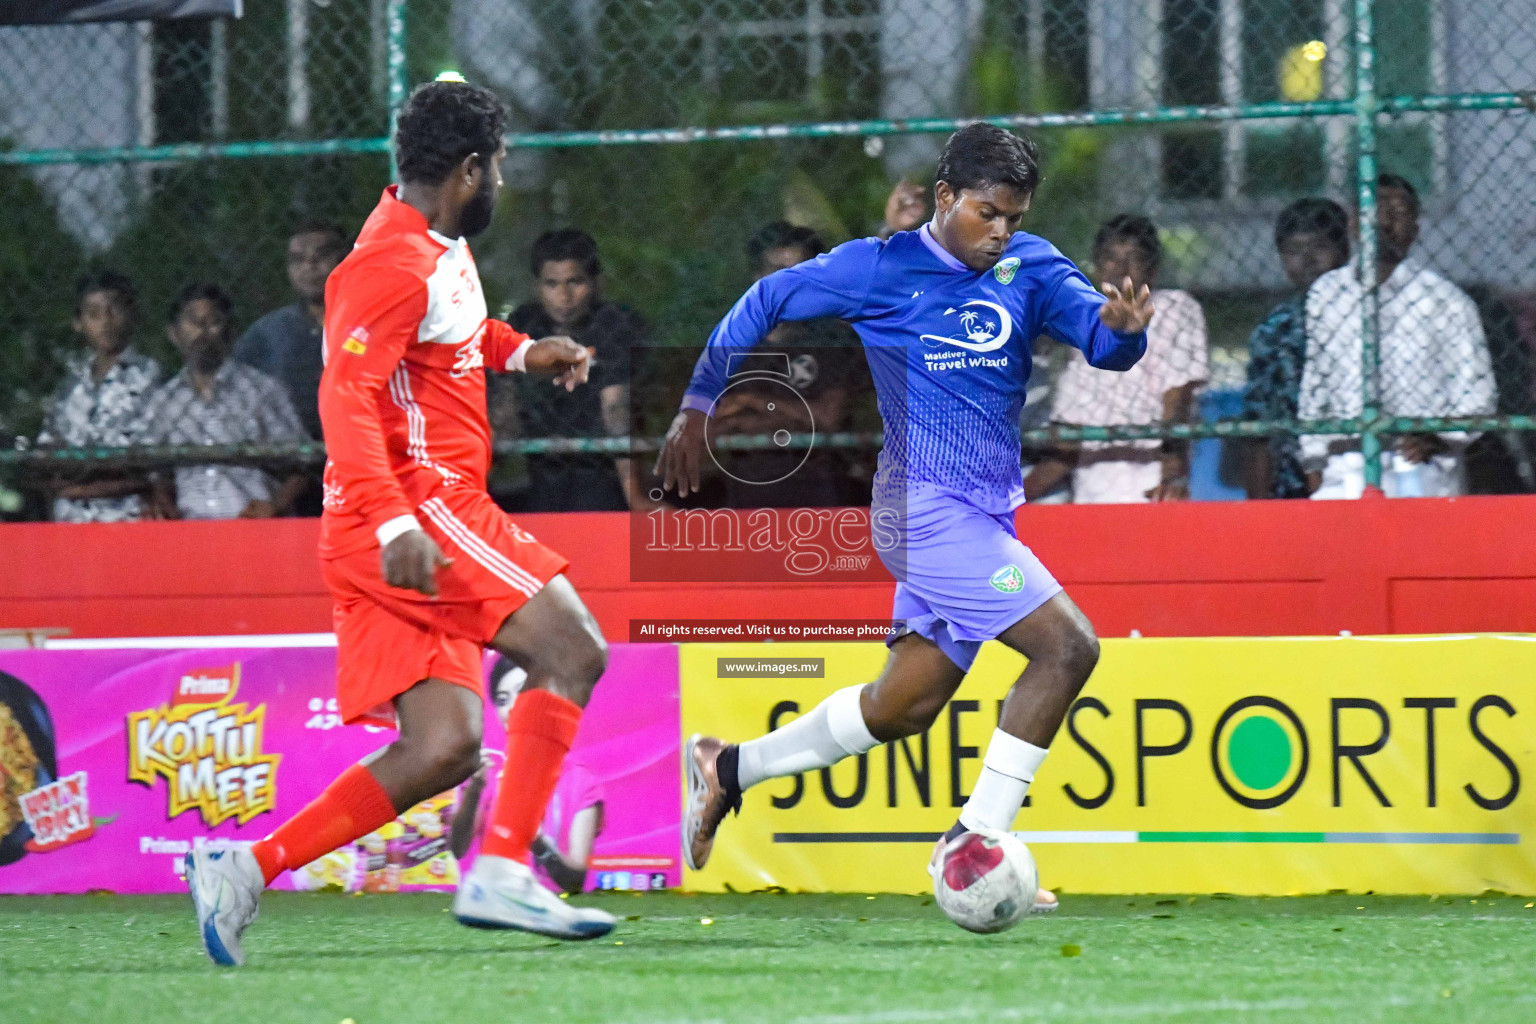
x,y
1252,766
114,761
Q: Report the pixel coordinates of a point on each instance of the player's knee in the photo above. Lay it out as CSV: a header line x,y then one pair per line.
x,y
909,720
571,666
1079,654
588,664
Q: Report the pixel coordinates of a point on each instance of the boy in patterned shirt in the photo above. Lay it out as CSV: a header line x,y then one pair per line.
x,y
102,400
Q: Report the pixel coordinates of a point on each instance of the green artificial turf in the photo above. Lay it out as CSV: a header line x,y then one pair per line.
x,y
825,959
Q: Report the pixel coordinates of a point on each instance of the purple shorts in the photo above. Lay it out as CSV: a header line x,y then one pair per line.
x,y
963,577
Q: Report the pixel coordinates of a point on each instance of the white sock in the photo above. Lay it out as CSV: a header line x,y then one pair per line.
x,y
1006,773
829,732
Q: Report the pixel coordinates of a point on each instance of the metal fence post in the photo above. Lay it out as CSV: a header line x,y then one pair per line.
x,y
395,16
1366,107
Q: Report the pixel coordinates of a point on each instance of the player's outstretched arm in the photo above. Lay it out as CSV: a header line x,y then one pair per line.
x,y
835,284
508,350
560,357
1110,328
1127,311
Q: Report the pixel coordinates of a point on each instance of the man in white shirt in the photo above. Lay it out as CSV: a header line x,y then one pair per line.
x,y
1158,389
1434,362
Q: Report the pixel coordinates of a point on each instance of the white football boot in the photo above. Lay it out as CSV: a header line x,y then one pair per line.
x,y
502,893
226,890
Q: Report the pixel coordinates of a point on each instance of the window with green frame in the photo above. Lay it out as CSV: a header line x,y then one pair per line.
x,y
1280,55
1282,61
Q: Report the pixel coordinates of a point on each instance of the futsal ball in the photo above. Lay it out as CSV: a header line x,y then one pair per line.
x,y
985,881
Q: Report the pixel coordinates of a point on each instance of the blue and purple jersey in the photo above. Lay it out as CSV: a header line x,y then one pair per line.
x,y
948,349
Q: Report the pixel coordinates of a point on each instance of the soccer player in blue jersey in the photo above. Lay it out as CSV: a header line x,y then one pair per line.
x,y
947,314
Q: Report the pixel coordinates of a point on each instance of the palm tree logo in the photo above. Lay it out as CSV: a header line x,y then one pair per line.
x,y
968,324
981,328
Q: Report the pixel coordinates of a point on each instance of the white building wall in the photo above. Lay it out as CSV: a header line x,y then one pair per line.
x,y
72,86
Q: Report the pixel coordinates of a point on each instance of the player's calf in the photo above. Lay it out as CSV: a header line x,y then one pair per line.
x,y
1062,650
557,642
436,765
439,742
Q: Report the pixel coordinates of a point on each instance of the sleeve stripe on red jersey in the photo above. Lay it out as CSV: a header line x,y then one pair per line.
x,y
416,421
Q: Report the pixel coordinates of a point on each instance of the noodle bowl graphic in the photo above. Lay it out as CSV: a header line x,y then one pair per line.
x,y
27,760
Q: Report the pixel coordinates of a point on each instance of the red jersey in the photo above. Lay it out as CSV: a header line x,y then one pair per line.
x,y
402,397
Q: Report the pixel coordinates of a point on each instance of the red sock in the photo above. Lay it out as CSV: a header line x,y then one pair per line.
x,y
350,808
540,730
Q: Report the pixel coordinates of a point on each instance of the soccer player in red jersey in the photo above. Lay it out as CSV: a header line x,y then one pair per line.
x,y
424,569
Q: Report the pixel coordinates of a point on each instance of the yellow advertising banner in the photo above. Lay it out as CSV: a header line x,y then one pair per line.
x,y
1252,766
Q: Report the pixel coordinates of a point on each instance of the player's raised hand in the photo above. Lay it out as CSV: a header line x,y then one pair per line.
x,y
568,362
678,464
1127,311
411,562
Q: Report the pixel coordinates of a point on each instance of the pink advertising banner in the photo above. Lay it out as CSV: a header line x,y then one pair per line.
x,y
115,761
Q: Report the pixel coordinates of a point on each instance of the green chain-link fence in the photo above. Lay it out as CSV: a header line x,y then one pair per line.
x,y
672,129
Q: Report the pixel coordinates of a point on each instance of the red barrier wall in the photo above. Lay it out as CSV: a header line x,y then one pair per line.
x,y
1190,569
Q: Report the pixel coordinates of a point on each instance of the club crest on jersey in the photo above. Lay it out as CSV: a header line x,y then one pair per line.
x,y
1005,269
468,358
1008,580
357,341
986,330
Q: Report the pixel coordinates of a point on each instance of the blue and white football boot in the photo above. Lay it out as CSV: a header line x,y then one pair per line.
x,y
503,893
226,889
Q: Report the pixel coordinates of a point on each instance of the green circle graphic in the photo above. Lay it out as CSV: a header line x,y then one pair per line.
x,y
1260,752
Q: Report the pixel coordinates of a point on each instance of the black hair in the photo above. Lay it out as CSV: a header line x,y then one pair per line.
x,y
781,234
328,228
1401,183
982,155
105,281
202,290
565,244
1324,216
500,669
1131,227
441,124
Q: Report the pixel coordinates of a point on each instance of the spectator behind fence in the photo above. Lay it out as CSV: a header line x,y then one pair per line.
x,y
568,275
1160,389
1434,362
286,344
215,400
818,359
102,400
1312,237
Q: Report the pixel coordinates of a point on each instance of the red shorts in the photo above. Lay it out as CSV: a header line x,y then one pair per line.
x,y
389,639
